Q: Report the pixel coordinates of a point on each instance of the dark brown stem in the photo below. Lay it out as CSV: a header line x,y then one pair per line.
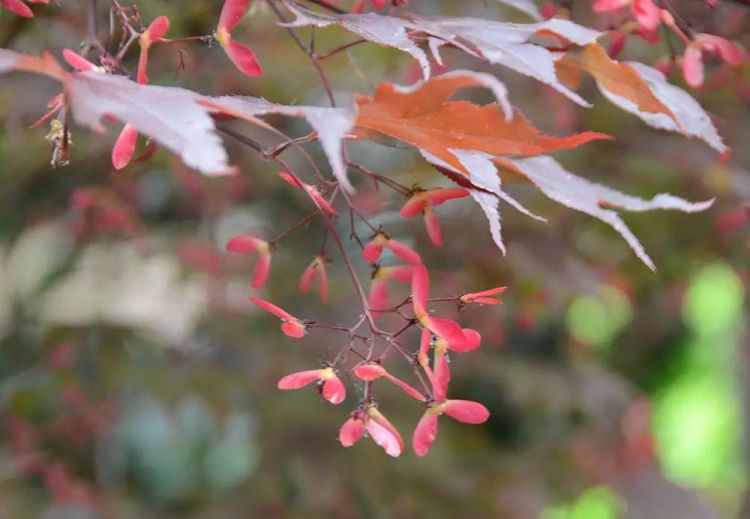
x,y
307,50
92,31
329,6
338,49
306,220
681,23
382,179
327,221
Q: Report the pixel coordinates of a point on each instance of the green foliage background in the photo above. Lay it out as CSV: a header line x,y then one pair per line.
x,y
151,382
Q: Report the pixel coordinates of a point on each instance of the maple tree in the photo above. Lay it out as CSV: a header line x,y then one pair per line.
x,y
476,148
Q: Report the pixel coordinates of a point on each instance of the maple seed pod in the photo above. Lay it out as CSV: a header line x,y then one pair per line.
x,y
316,269
155,32
374,249
243,57
245,244
351,431
18,7
464,411
329,384
290,325
124,148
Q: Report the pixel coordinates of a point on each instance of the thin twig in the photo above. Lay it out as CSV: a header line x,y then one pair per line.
x,y
306,50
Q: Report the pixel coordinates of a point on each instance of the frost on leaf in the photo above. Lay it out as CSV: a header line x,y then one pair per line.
x,y
507,44
645,92
559,185
383,30
331,124
525,6
424,116
688,114
7,61
511,45
169,115
486,191
597,200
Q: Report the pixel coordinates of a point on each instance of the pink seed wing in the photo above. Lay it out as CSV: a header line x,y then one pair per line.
x,y
334,390
243,244
18,7
351,432
272,308
298,379
425,434
232,12
243,58
466,411
122,151
158,28
261,271
77,61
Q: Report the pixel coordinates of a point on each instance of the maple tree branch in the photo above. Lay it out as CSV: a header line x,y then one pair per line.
x,y
680,22
670,44
396,186
130,33
359,289
339,49
307,50
280,148
247,141
329,6
304,221
92,31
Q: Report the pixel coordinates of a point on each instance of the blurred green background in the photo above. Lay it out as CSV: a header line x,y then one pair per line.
x,y
136,380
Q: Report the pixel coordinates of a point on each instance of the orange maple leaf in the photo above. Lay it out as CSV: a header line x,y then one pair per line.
x,y
621,80
426,118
